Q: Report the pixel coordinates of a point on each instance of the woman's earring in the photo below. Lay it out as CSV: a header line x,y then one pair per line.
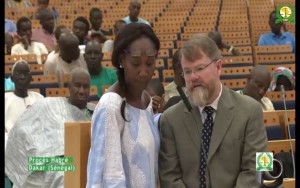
x,y
121,66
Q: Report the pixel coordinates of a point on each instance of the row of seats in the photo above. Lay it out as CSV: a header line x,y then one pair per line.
x,y
78,142
276,124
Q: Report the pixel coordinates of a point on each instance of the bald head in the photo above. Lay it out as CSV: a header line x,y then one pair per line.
x,y
78,71
19,64
134,10
79,87
68,40
261,71
21,76
68,47
93,57
258,82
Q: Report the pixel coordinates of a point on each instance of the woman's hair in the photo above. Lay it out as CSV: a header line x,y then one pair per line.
x,y
125,37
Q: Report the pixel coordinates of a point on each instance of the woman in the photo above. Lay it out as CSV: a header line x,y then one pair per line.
x,y
282,76
125,142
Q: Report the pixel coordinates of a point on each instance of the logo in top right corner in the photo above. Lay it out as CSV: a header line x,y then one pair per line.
x,y
285,14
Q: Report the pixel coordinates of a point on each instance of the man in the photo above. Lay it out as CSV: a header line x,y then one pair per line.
x,y
26,45
217,37
100,76
257,85
45,35
214,144
171,88
44,4
134,11
108,45
40,133
68,57
276,37
96,20
17,101
9,41
81,28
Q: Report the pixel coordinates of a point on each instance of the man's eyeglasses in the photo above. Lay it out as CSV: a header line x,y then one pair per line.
x,y
138,53
187,73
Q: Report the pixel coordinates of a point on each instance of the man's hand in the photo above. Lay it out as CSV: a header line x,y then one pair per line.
x,y
158,104
25,41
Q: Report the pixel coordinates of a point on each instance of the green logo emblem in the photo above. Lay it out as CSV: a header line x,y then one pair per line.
x,y
285,14
264,161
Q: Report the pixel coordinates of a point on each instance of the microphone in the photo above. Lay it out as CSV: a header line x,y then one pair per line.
x,y
189,107
288,125
184,98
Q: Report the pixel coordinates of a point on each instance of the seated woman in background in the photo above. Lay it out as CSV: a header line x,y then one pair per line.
x,y
282,76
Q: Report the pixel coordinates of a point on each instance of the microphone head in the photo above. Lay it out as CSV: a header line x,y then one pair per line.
x,y
282,88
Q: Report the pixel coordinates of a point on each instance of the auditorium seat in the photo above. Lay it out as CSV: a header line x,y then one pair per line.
x,y
235,84
30,58
237,61
168,75
275,131
277,146
291,121
64,92
44,81
235,72
277,100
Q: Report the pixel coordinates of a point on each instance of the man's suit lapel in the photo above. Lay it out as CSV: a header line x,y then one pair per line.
x,y
194,125
222,122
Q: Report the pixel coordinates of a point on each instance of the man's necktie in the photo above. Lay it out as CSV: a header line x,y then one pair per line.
x,y
206,134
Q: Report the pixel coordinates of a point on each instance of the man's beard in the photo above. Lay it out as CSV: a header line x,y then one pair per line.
x,y
199,96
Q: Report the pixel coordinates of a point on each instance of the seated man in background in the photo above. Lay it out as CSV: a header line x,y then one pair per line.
x,y
257,85
282,76
96,19
100,76
9,41
68,58
58,31
134,11
108,45
39,132
17,101
45,35
80,29
43,4
26,45
276,37
217,37
171,88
